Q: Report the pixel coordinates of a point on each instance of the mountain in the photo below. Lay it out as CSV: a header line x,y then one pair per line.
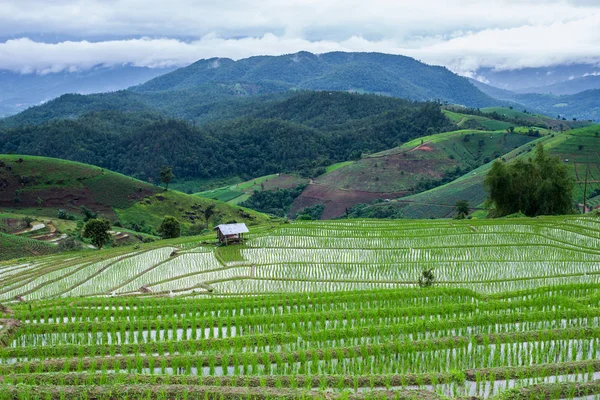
x,y
518,80
392,75
584,105
572,86
303,132
20,91
217,89
42,185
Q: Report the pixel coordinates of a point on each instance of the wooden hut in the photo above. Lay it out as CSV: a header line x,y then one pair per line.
x,y
231,233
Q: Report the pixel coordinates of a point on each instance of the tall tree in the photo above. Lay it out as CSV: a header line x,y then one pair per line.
x,y
166,175
538,186
97,230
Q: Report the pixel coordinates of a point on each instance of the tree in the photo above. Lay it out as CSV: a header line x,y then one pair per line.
x,y
538,186
462,209
169,228
209,211
166,176
427,278
88,214
97,230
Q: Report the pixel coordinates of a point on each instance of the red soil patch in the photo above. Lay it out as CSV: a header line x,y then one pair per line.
x,y
425,148
337,200
68,198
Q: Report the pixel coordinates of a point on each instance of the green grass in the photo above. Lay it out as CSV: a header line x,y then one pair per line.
x,y
153,209
333,167
239,192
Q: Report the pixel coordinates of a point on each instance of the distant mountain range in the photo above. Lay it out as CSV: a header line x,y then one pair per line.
x,y
527,80
583,105
20,91
206,89
572,86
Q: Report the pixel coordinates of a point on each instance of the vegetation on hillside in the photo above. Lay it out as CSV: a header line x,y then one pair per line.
x,y
299,139
276,202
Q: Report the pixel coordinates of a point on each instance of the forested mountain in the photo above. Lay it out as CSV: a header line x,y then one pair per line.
x,y
388,74
218,89
300,133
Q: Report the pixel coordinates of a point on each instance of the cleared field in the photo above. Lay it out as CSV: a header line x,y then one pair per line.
x,y
331,310
238,193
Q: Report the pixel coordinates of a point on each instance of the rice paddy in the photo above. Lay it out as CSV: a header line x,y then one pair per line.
x,y
328,309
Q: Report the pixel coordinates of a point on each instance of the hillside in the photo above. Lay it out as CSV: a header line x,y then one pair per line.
x,y
39,186
16,247
302,133
576,148
415,166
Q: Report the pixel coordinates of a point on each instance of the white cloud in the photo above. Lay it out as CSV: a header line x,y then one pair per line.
x,y
463,34
595,73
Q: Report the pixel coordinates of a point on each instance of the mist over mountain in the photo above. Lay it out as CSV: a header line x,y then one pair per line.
x,y
19,91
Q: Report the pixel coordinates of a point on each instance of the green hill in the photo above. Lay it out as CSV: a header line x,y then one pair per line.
x,y
414,166
41,186
577,148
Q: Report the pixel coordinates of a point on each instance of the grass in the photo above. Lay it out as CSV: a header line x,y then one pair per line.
x,y
333,167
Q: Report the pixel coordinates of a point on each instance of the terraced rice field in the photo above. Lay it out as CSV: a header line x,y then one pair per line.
x,y
314,310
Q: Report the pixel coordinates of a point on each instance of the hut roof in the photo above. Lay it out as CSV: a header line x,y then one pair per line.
x,y
232,229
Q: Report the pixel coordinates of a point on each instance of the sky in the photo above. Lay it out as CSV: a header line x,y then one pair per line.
x,y
45,36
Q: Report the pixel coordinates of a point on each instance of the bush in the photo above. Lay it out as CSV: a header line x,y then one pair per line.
x,y
69,244
63,214
170,228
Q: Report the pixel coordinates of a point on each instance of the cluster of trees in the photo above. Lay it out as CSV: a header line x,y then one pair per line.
x,y
537,186
276,202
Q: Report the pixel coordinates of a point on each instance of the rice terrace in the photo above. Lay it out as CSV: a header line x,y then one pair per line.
x,y
331,309
300,200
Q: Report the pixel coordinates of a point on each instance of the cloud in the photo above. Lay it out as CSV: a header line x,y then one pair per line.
x,y
595,73
463,35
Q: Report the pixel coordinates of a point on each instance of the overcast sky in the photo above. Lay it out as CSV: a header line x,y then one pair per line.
x,y
53,35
